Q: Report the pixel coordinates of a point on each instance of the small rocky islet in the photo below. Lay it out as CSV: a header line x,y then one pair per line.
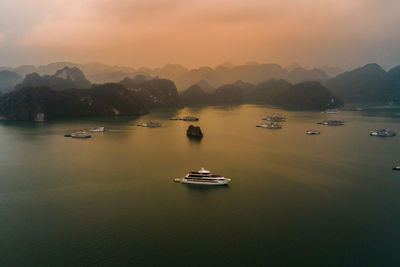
x,y
194,132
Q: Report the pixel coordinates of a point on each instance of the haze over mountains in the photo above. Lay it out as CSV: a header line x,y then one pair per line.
x,y
65,78
8,80
32,97
304,95
183,77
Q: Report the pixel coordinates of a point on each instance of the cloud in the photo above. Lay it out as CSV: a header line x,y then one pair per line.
x,y
153,32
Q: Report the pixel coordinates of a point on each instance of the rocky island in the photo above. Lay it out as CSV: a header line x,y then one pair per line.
x,y
64,78
305,95
42,104
68,93
194,131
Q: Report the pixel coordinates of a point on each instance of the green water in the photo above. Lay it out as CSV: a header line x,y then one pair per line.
x,y
294,199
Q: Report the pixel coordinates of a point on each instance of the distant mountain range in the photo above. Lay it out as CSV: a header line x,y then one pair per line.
x,y
8,80
68,93
183,77
207,86
65,78
305,95
369,84
248,73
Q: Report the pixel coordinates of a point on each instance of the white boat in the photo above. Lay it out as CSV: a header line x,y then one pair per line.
x,y
190,118
332,111
150,124
382,133
81,135
275,118
98,130
272,126
332,123
203,177
312,132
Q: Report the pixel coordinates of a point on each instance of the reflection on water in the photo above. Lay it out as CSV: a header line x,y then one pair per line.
x,y
194,140
293,198
205,189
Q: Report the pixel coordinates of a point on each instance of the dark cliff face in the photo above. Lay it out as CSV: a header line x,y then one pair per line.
x,y
8,80
392,84
65,78
268,91
194,96
75,75
205,86
365,84
228,94
42,103
306,95
253,73
299,74
156,93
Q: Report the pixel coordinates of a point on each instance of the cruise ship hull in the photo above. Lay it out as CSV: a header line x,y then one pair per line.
x,y
225,182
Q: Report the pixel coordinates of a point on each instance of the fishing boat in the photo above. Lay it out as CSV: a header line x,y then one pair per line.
x,y
332,123
81,135
190,118
312,132
150,124
382,133
98,130
272,126
275,118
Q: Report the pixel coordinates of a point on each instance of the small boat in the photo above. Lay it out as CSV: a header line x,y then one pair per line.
x,y
81,135
275,118
312,132
396,168
150,124
332,123
332,111
175,119
271,125
98,130
358,109
382,133
203,177
190,118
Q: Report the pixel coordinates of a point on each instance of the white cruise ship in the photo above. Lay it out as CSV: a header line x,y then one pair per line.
x,y
203,177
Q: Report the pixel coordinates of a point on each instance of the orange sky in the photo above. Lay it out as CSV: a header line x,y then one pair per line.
x,y
207,32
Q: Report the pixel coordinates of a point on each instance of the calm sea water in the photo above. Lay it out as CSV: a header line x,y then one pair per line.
x,y
294,199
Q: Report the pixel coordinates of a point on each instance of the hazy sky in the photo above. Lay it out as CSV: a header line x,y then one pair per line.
x,y
151,33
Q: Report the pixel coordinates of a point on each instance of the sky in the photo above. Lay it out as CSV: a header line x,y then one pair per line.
x,y
344,33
